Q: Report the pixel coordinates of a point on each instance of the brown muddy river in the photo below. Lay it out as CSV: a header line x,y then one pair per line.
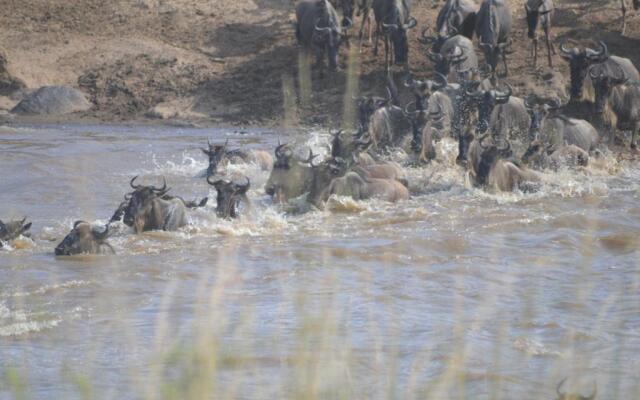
x,y
456,293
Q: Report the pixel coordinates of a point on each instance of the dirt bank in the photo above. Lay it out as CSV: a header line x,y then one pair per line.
x,y
231,62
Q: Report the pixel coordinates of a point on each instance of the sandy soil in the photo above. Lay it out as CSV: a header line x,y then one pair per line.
x,y
232,62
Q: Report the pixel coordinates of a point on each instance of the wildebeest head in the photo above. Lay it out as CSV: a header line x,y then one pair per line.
x,y
579,62
12,229
367,105
425,124
83,239
290,176
215,153
443,62
538,110
562,395
535,153
345,145
328,33
323,174
486,101
139,204
422,90
229,196
489,154
604,80
396,25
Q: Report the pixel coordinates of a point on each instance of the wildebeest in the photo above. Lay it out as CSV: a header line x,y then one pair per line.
x,y
362,188
623,7
219,156
290,177
572,396
393,19
381,120
364,7
149,208
456,17
84,239
493,26
581,60
318,29
457,52
13,229
427,126
540,156
503,115
488,168
229,197
557,130
622,97
539,12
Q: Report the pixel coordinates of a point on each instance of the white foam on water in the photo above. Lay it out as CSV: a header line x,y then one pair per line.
x,y
20,322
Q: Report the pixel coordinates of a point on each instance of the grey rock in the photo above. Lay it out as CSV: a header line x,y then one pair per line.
x,y
53,100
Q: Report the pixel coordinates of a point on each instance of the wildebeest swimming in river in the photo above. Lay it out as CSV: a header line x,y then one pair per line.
x,y
229,196
150,208
84,239
13,229
220,156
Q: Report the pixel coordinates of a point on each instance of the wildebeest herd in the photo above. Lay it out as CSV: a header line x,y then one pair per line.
x,y
504,141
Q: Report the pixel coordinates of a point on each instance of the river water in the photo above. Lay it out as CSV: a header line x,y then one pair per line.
x,y
456,293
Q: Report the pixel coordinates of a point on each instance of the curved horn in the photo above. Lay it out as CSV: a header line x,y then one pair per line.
x,y
504,95
435,57
425,39
409,82
482,139
309,160
411,24
440,81
103,235
505,148
560,394
319,29
528,101
554,104
597,55
244,188
390,26
406,111
279,148
349,23
163,188
132,185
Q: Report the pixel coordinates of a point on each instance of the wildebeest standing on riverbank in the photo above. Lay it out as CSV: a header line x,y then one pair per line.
x,y
318,29
493,26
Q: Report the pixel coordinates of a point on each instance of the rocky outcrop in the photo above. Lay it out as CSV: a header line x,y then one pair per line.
x,y
53,100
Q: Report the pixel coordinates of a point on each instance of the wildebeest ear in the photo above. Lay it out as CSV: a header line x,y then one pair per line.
x,y
205,151
26,227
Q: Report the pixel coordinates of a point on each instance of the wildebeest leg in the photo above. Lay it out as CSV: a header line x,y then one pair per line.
x,y
549,47
375,46
623,7
636,128
361,34
534,51
386,52
503,53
